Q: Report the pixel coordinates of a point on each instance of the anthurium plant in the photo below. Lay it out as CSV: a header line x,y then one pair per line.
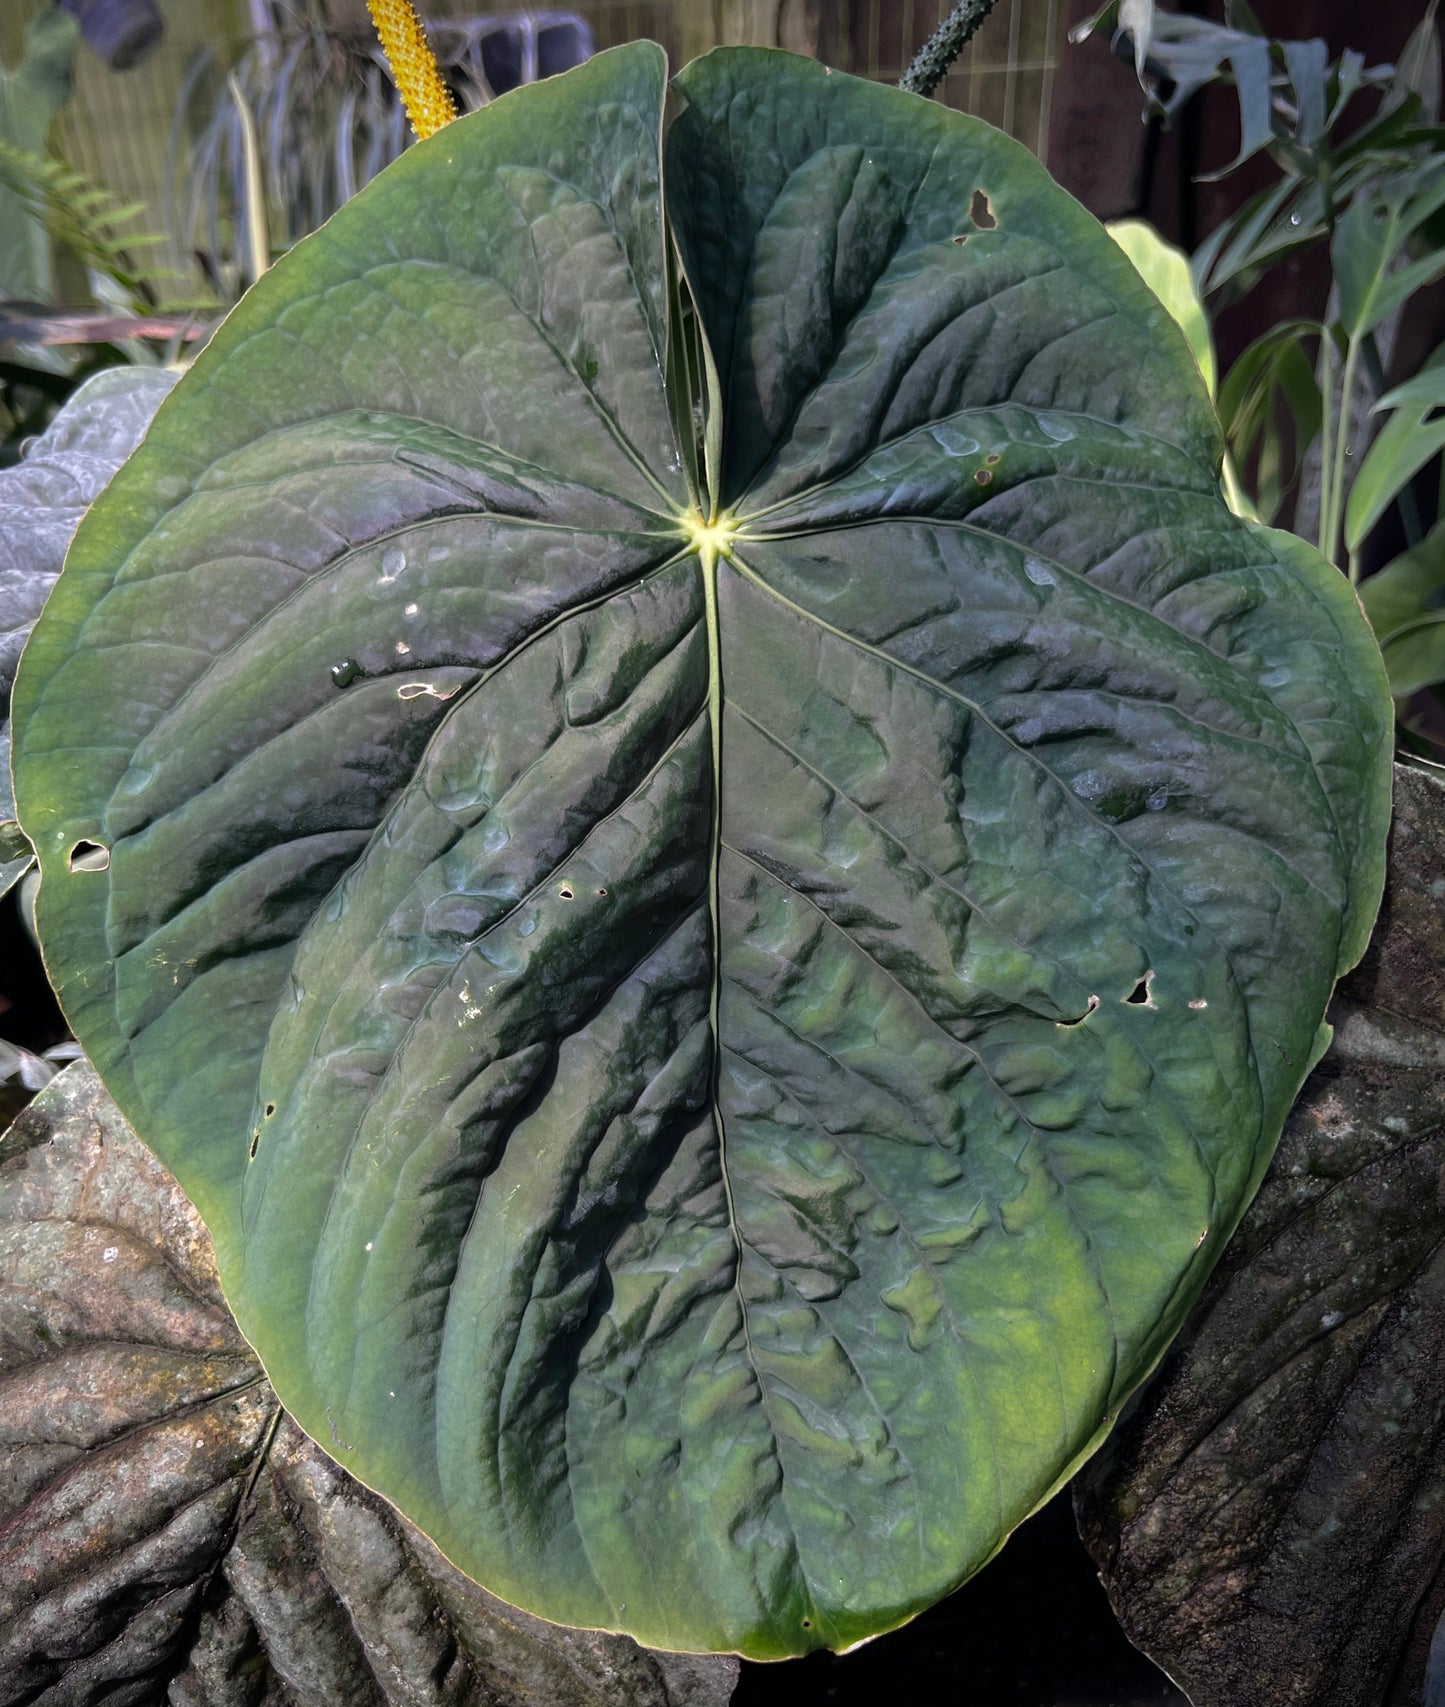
x,y
669,789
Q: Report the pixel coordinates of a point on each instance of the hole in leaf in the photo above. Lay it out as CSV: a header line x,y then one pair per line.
x,y
983,477
981,213
807,1623
255,1142
1069,1024
961,239
992,457
269,1110
89,856
420,690
1198,1002
1141,995
565,891
601,891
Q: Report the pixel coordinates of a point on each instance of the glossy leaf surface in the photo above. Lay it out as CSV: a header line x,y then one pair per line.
x,y
732,1027
1268,1520
167,1533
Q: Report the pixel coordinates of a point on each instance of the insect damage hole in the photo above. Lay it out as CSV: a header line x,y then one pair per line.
x,y
422,690
1069,1024
566,892
1142,995
89,856
981,212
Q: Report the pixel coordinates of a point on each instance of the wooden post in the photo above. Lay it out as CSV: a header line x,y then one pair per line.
x,y
793,24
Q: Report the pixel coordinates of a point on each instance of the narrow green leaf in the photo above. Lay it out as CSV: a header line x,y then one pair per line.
x,y
1426,389
1419,65
1347,80
1374,227
1307,63
1415,654
1274,226
1273,371
1402,447
1405,603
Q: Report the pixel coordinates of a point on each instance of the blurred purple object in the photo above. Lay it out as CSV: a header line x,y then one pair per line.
x,y
514,48
122,32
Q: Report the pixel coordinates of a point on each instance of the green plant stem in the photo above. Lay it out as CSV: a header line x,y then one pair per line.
x,y
1333,515
931,62
1327,427
1405,501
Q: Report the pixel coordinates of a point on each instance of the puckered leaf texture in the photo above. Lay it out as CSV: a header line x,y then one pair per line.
x,y
1268,1521
719,999
167,1533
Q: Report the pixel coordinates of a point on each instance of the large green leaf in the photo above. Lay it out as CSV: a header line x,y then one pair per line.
x,y
740,1021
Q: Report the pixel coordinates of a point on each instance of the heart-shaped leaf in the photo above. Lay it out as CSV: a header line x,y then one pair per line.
x,y
1268,1521
166,1533
718,1030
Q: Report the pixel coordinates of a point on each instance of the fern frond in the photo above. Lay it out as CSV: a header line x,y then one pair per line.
x,y
81,214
